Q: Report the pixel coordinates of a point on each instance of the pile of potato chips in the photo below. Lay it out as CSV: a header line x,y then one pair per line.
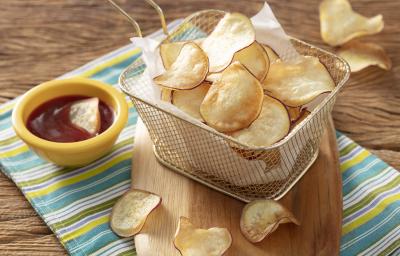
x,y
239,86
340,24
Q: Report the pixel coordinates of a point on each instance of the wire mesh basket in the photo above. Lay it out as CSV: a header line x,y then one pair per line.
x,y
217,160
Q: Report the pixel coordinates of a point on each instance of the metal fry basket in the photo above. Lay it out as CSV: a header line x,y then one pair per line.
x,y
217,160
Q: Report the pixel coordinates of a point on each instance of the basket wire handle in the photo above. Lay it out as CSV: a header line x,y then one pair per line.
x,y
128,17
160,14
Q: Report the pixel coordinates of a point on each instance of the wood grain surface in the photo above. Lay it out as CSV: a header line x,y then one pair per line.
x,y
316,201
40,40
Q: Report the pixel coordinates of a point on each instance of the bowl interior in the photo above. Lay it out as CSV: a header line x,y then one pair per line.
x,y
55,90
59,88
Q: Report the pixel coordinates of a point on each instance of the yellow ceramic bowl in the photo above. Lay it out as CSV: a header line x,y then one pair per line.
x,y
73,153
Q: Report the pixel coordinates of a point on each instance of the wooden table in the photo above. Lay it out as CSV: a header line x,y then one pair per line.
x,y
40,40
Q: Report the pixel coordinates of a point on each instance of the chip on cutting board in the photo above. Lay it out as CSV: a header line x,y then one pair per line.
x,y
232,33
191,241
361,55
234,101
130,212
298,83
85,115
340,24
262,217
188,71
189,101
271,125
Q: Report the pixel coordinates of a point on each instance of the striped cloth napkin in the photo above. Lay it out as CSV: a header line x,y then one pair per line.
x,y
76,202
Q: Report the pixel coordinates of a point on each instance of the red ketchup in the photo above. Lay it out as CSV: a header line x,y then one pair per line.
x,y
50,121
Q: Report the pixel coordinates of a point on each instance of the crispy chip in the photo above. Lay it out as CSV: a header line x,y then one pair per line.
x,y
340,24
294,113
191,241
271,125
271,54
298,83
188,71
253,57
233,101
212,77
189,101
166,95
85,115
303,114
361,55
130,212
262,217
232,33
169,52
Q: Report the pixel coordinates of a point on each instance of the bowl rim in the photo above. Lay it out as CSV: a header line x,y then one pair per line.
x,y
120,118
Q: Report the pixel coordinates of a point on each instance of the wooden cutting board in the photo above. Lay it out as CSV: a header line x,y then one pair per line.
x,y
316,200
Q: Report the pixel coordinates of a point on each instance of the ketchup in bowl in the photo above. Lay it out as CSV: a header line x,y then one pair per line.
x,y
51,120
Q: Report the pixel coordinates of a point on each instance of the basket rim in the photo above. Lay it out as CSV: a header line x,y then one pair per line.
x,y
276,145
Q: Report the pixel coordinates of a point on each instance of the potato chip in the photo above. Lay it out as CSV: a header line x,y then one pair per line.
x,y
294,113
169,52
298,83
262,217
232,33
271,54
212,77
271,125
340,24
361,55
130,212
191,241
253,57
189,101
85,115
188,71
303,114
166,95
233,101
